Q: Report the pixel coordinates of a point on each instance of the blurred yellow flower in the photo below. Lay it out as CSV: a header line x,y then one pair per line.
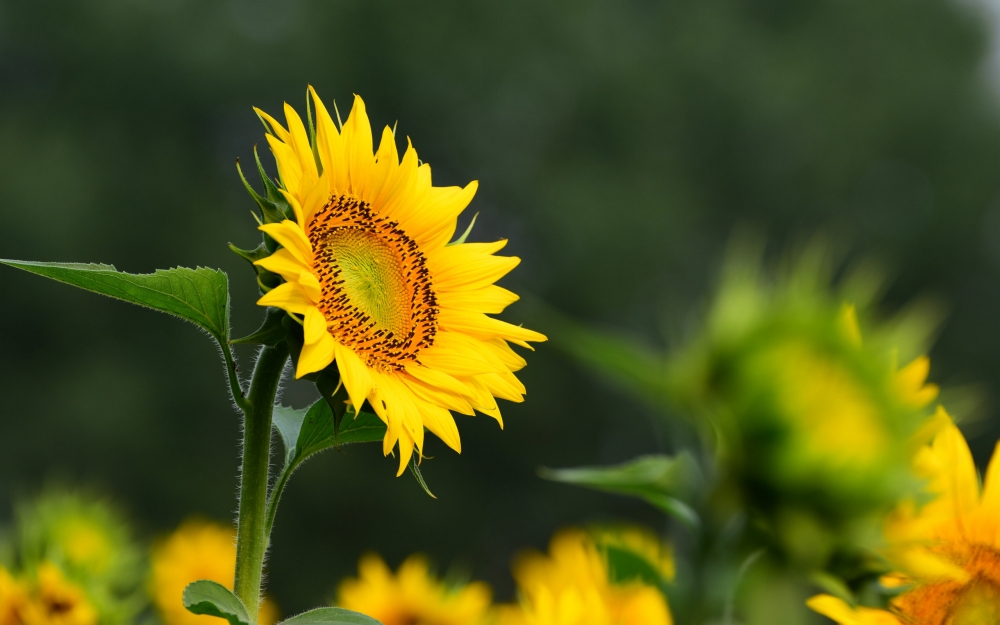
x,y
412,596
57,601
13,597
572,586
947,551
196,550
82,534
368,266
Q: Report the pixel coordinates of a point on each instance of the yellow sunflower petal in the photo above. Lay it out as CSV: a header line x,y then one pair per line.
x,y
491,300
291,237
315,356
459,355
396,192
357,133
989,506
283,263
278,129
436,378
296,206
439,421
288,296
300,143
510,359
437,397
330,146
289,169
947,464
503,385
386,163
433,223
355,375
839,611
481,326
470,265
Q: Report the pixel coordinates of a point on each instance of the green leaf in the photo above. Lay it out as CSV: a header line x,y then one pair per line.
x,y
663,481
331,616
415,470
200,295
305,433
288,422
213,599
364,427
309,431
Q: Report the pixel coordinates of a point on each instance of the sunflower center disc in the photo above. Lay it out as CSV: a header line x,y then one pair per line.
x,y
372,277
377,296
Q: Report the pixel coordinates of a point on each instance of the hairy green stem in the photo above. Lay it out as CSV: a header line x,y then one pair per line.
x,y
251,528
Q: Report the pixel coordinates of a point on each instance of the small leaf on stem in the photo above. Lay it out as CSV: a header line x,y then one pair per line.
x,y
213,599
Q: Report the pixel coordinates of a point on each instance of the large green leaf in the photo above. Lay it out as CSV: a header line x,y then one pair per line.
x,y
331,616
200,295
213,599
663,481
307,432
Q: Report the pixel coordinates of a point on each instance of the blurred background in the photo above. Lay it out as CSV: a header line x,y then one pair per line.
x,y
618,145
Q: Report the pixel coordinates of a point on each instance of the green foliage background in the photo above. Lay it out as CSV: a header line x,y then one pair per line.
x,y
618,145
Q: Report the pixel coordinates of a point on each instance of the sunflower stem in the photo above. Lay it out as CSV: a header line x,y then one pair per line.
x,y
251,526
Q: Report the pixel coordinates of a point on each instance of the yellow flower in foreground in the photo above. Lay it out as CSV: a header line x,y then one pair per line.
x,y
368,266
412,596
56,601
948,550
571,586
196,550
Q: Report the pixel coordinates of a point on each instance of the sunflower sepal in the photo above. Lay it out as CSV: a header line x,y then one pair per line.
x,y
274,207
332,388
210,598
271,332
265,279
415,470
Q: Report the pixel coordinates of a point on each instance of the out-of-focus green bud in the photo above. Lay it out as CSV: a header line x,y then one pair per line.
x,y
89,541
812,418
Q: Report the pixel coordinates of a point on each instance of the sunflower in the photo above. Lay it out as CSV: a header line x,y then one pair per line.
x,y
412,596
196,550
57,601
947,551
572,586
369,272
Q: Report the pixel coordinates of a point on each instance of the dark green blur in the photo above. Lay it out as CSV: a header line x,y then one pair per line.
x,y
618,146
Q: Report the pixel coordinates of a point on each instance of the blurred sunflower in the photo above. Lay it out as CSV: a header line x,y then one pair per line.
x,y
196,550
84,534
412,596
811,421
377,286
573,585
947,551
57,601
